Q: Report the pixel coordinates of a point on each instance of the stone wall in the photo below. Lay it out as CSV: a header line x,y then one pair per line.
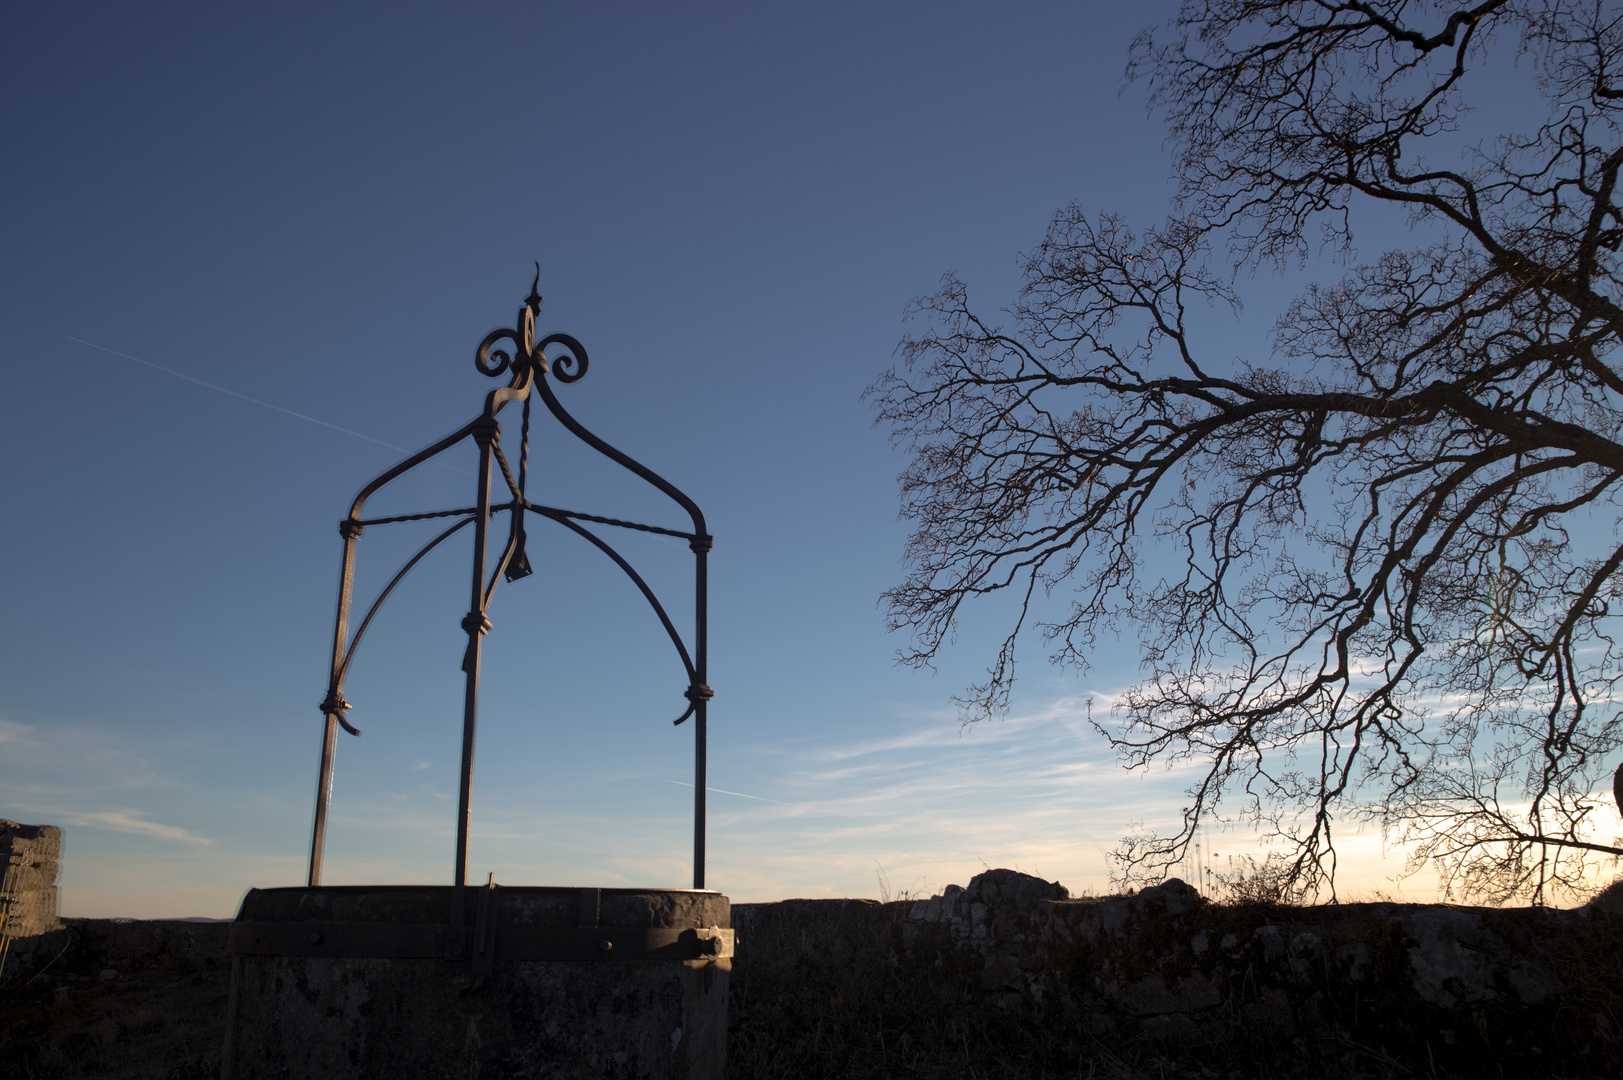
x,y
30,858
1163,976
1166,958
1007,977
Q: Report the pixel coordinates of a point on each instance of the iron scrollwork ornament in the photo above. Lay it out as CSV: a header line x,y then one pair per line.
x,y
530,355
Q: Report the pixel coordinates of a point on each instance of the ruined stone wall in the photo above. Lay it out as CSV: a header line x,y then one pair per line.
x,y
30,859
1354,989
1166,957
1008,976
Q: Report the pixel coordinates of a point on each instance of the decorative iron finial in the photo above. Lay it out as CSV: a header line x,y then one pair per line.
x,y
533,301
527,356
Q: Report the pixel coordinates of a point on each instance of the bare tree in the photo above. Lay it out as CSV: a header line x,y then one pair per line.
x,y
1397,537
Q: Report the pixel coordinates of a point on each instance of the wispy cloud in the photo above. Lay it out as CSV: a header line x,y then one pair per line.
x,y
127,822
934,802
82,774
17,735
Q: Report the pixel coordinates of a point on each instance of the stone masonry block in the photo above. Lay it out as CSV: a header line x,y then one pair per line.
x,y
30,859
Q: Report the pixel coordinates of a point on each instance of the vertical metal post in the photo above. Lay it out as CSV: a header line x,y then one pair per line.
x,y
701,650
318,841
485,432
331,707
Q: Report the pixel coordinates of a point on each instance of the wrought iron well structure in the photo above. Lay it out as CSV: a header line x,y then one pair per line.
x,y
384,981
526,366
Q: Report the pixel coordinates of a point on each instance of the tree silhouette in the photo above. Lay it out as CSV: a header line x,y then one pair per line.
x,y
1397,536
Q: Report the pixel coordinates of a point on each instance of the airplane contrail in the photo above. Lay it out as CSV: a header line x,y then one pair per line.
x,y
233,393
724,791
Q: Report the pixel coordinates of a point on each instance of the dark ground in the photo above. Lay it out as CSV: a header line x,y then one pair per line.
x,y
77,1016
829,998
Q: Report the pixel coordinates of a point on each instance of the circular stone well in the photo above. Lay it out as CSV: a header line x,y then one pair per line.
x,y
392,981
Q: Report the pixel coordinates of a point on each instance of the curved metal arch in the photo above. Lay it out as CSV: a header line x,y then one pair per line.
x,y
636,579
395,472
527,366
360,631
555,407
698,692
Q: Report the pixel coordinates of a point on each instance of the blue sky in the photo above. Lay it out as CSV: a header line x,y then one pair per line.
x,y
322,208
